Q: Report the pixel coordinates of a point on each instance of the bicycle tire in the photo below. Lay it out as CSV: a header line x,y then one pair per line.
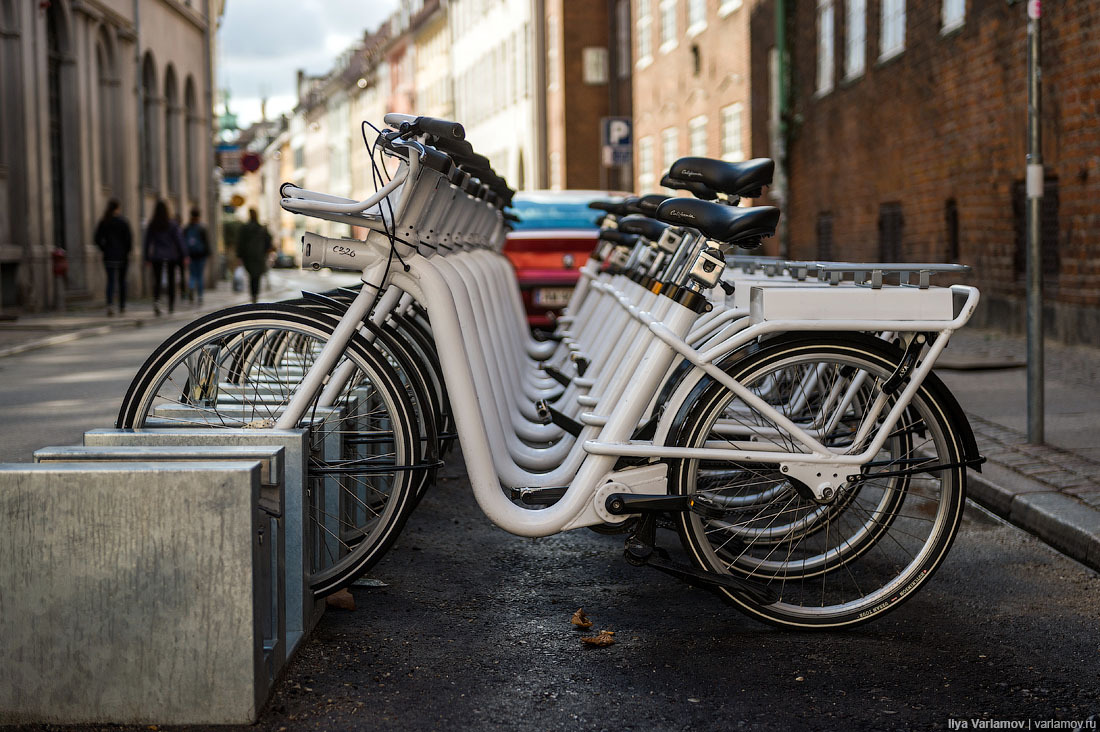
x,y
912,522
357,506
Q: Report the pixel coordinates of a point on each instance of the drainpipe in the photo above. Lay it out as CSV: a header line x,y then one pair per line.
x,y
213,216
782,133
140,92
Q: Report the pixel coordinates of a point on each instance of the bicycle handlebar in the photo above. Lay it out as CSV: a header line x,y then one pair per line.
x,y
428,125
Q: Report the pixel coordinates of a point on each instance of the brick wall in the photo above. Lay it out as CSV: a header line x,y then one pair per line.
x,y
938,132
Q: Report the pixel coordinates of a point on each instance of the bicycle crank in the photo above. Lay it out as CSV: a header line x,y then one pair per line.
x,y
641,551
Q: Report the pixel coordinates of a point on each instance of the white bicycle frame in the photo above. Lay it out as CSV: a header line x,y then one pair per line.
x,y
491,378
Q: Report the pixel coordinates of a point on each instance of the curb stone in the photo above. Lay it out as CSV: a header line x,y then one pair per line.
x,y
1064,523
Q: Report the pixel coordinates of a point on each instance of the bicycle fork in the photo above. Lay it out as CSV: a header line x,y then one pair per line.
x,y
318,375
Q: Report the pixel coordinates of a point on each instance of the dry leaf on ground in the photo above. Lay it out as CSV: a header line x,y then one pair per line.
x,y
342,600
580,620
605,638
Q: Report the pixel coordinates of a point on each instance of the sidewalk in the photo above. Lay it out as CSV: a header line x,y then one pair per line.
x,y
39,330
1052,491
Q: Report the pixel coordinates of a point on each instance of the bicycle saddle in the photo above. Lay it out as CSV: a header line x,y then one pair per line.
x,y
619,237
617,208
745,179
696,189
642,226
723,223
648,204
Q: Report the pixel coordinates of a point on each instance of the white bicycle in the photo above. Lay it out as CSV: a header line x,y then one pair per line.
x,y
814,470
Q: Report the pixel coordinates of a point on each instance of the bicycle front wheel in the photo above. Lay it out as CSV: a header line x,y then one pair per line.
x,y
240,367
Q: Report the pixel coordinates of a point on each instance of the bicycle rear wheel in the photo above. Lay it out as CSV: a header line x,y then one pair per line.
x,y
847,561
239,368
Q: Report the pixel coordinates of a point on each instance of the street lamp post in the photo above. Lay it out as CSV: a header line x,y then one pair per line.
x,y
1034,185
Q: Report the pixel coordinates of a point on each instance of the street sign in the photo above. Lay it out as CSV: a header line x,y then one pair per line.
x,y
229,160
617,140
250,162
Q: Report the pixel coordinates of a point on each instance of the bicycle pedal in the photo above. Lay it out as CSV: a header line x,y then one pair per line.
x,y
538,496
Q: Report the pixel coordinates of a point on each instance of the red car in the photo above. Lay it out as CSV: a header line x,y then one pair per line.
x,y
556,233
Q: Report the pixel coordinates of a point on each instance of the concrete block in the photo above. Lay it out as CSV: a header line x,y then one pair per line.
x,y
127,593
271,583
302,611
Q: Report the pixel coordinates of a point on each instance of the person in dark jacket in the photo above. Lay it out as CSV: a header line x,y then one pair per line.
x,y
198,249
164,252
253,247
115,240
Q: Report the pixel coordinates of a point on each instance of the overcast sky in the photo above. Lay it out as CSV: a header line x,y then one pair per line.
x,y
262,44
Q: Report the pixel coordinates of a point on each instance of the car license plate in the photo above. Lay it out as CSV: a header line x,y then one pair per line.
x,y
553,297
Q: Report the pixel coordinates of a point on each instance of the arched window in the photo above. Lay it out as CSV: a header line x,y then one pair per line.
x,y
150,147
191,138
57,44
171,128
106,82
7,52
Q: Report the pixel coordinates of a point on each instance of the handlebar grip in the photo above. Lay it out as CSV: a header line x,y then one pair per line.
x,y
395,119
441,128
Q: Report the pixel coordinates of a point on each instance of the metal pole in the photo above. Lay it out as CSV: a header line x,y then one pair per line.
x,y
1035,407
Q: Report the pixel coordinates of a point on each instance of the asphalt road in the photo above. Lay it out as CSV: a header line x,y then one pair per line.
x,y
472,631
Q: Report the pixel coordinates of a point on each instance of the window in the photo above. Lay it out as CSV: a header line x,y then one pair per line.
x,y
644,33
954,14
855,38
150,143
731,133
825,236
725,7
825,30
171,130
951,225
893,29
1048,228
670,147
697,136
697,16
645,164
668,25
890,225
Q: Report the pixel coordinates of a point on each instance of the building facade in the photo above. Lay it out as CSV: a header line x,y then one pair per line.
x,y
694,88
587,79
497,56
908,142
99,99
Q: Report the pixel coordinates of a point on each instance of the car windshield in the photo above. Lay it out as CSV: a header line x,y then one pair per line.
x,y
555,213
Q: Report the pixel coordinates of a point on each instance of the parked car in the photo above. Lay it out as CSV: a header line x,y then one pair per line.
x,y
556,233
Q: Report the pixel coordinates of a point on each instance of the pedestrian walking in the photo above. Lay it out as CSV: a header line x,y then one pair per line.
x,y
197,244
253,247
114,239
164,252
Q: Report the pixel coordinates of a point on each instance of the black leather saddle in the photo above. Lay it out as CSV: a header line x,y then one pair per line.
x,y
696,189
745,179
733,224
642,226
616,208
648,204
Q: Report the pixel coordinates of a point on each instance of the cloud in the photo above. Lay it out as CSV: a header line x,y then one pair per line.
x,y
263,43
